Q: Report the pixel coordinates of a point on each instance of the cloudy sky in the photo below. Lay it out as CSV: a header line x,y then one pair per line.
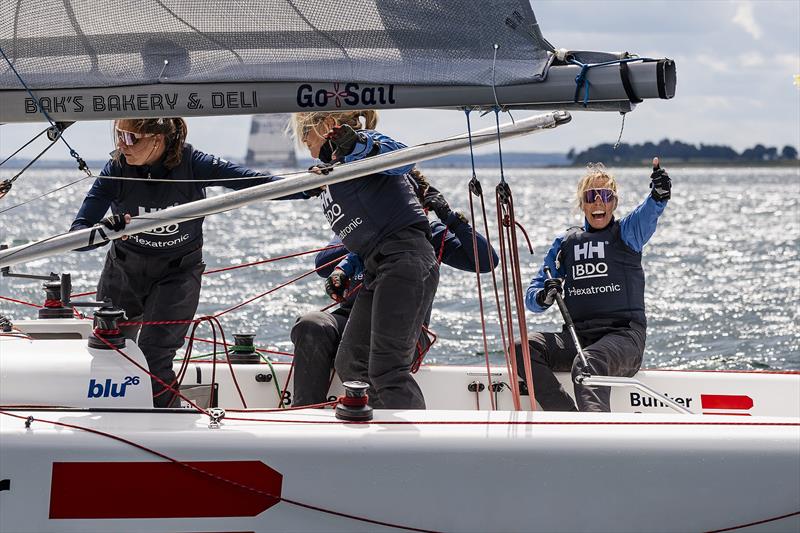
x,y
736,63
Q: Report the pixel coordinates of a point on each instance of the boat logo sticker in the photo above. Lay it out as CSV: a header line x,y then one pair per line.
x,y
351,95
107,387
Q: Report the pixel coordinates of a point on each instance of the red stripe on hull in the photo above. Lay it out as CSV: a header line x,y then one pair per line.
x,y
162,490
725,401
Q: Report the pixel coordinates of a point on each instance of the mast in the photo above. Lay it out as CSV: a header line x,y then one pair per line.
x,y
99,234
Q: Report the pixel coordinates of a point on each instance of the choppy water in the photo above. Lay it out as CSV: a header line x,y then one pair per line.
x,y
723,269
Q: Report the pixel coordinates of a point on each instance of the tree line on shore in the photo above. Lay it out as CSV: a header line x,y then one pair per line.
x,y
680,151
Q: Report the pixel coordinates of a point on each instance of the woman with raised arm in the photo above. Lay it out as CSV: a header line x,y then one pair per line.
x,y
598,270
155,275
379,218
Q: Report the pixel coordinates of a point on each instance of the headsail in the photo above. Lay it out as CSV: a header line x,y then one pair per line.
x,y
122,58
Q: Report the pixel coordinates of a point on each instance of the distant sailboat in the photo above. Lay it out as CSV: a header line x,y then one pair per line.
x,y
268,145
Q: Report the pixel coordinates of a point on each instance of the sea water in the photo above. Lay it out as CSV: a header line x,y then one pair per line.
x,y
723,268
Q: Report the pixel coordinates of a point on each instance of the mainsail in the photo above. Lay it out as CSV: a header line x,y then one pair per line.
x,y
124,58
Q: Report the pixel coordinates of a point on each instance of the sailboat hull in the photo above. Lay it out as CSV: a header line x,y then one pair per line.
x,y
431,470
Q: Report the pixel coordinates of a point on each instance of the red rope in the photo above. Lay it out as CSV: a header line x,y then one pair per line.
x,y
18,301
506,327
273,259
152,376
520,303
301,276
480,292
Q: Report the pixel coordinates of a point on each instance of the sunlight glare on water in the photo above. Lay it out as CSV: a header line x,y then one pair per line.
x,y
723,269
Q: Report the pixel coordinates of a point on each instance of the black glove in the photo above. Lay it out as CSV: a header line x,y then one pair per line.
x,y
547,295
336,284
321,169
434,201
340,142
114,222
5,186
660,184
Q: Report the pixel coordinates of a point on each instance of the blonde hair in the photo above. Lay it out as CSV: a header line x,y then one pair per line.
x,y
312,120
595,172
174,131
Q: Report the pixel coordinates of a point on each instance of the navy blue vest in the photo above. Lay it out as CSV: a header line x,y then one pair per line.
x,y
140,197
604,282
363,211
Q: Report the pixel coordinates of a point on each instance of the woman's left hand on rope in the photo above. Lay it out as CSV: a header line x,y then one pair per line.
x,y
336,284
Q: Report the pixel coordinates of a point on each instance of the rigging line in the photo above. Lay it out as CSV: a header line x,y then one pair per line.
x,y
32,161
216,477
475,188
75,155
177,17
238,178
324,35
24,146
70,184
621,129
508,322
520,304
499,145
494,85
91,52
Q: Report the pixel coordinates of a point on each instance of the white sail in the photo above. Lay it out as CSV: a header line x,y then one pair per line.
x,y
268,145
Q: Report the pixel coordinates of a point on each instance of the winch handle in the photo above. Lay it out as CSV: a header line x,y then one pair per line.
x,y
570,326
560,301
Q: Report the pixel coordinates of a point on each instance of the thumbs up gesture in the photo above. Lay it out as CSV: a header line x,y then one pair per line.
x,y
660,184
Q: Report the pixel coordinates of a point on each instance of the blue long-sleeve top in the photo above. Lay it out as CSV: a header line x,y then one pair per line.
x,y
372,143
636,228
217,172
457,253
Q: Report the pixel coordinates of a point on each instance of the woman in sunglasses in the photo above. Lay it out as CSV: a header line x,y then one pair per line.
x,y
155,275
598,270
379,218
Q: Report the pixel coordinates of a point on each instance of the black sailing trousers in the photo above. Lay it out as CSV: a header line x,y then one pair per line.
x,y
379,342
316,336
153,288
610,351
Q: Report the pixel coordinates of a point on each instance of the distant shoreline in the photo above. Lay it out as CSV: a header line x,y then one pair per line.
x,y
512,160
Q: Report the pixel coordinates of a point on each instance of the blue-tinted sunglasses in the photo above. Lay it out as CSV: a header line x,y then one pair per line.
x,y
606,195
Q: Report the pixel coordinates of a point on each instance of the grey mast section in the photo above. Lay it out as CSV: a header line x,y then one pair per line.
x,y
232,200
651,79
269,146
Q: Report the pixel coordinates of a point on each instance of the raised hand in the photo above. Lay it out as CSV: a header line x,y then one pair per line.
x,y
340,142
660,184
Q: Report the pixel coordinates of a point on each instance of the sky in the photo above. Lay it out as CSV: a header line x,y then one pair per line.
x,y
737,62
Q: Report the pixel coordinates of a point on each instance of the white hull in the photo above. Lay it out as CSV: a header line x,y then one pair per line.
x,y
105,464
